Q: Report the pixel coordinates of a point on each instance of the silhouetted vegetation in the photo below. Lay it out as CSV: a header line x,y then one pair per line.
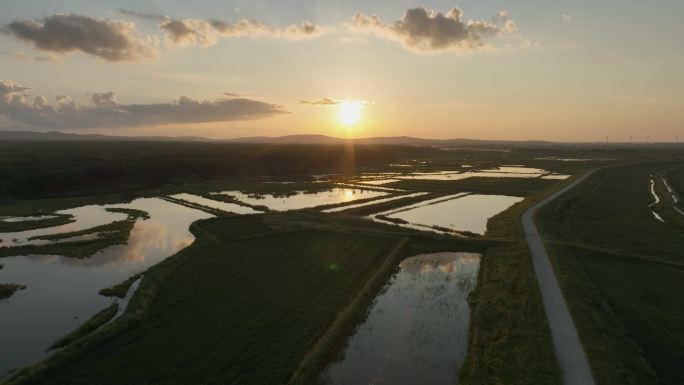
x,y
50,169
8,289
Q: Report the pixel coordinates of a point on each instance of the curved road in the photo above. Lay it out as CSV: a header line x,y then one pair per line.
x,y
571,357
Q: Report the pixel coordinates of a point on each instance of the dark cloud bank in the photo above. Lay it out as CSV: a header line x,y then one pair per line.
x,y
107,112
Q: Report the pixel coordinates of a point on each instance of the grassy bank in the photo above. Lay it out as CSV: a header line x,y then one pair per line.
x,y
121,289
509,340
676,179
666,206
88,327
332,340
619,269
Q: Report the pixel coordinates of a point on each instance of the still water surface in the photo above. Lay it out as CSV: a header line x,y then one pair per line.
x,y
306,200
62,292
463,213
417,328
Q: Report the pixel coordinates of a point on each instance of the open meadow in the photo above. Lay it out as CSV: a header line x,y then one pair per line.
x,y
619,266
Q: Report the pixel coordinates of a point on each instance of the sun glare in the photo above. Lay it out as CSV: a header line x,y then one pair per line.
x,y
349,112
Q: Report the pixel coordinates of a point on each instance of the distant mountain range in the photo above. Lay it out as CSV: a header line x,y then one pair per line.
x,y
57,136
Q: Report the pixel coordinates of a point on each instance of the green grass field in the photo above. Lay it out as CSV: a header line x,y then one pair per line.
x,y
620,270
676,179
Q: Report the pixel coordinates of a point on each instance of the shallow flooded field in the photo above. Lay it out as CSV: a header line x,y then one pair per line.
x,y
214,204
61,293
24,219
302,200
417,328
460,212
499,172
85,217
374,202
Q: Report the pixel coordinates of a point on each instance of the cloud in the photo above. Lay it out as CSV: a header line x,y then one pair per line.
x,y
45,58
104,99
111,40
189,32
141,15
566,17
8,87
206,32
321,102
106,111
425,30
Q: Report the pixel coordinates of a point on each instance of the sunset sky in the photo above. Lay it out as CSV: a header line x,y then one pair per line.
x,y
531,69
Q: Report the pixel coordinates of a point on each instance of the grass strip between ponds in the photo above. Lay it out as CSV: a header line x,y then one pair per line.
x,y
115,233
88,327
347,319
12,227
121,289
509,339
206,209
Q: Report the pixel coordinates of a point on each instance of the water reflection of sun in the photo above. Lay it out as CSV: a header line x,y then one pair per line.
x,y
348,195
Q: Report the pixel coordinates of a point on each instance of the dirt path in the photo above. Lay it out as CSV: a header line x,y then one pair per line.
x,y
571,357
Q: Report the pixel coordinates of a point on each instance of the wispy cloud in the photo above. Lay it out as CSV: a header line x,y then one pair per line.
x,y
111,40
206,32
105,111
321,102
141,15
426,30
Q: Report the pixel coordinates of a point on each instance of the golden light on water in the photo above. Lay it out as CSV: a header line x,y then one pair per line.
x,y
348,195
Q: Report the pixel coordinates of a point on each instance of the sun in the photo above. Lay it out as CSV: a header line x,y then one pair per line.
x,y
349,112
